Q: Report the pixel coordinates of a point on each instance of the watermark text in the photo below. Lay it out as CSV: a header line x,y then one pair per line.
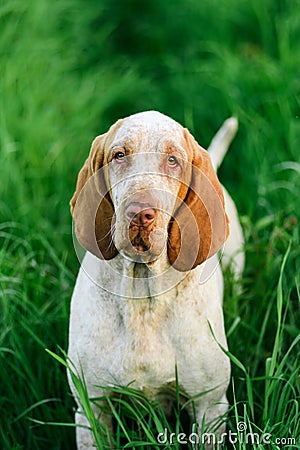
x,y
242,435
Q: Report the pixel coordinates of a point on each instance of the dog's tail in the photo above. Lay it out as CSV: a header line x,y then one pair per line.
x,y
221,141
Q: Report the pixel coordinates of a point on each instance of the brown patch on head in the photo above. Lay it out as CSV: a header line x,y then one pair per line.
x,y
200,224
91,205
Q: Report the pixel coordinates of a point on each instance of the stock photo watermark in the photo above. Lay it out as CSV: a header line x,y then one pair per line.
x,y
241,436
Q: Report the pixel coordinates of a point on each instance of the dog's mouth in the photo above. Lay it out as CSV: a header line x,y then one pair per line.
x,y
140,239
140,245
144,245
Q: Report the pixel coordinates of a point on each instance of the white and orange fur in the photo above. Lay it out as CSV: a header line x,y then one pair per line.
x,y
127,332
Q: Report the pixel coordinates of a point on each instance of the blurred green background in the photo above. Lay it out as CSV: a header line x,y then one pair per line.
x,y
68,70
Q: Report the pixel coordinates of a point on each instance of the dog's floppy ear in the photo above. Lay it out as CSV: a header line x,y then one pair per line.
x,y
91,206
200,225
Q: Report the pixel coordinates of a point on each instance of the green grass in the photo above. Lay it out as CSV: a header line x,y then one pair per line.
x,y
68,70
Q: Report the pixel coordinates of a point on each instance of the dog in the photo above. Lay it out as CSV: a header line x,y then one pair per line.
x,y
153,217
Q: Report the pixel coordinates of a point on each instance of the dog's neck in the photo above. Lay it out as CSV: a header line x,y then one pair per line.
x,y
127,279
145,295
146,281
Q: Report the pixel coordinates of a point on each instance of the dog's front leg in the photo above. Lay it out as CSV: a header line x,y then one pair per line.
x,y
85,437
211,424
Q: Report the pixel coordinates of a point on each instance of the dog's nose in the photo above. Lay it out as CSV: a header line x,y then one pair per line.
x,y
140,215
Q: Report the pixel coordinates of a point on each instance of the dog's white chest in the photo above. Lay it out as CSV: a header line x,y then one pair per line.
x,y
144,357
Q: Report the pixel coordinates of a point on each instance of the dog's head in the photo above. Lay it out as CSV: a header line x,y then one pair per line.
x,y
147,188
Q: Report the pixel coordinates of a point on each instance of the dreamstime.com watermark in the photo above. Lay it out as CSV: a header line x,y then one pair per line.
x,y
242,436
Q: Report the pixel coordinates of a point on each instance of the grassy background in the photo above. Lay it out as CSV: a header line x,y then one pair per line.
x,y
71,68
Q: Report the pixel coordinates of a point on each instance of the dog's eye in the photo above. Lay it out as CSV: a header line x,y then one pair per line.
x,y
172,161
119,156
